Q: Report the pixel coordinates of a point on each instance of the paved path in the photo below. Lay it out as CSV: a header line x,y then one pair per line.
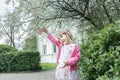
x,y
43,75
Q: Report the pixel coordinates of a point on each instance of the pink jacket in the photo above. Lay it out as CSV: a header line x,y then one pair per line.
x,y
74,57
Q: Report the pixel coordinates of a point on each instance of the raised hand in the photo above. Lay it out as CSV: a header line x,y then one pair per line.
x,y
45,30
40,31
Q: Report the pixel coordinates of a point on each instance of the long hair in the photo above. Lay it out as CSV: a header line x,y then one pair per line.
x,y
68,35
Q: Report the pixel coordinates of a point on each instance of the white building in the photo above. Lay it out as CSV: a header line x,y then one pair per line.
x,y
47,49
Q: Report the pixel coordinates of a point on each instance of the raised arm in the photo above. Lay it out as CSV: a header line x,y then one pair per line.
x,y
53,40
49,36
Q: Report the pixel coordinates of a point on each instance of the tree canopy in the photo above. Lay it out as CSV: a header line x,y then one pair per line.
x,y
29,15
96,12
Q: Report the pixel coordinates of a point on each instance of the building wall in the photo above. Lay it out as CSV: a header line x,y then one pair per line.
x,y
46,49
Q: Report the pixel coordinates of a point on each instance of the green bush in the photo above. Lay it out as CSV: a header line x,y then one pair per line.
x,y
6,48
31,42
100,54
19,61
107,78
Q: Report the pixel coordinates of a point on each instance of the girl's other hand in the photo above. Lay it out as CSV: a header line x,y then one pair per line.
x,y
64,64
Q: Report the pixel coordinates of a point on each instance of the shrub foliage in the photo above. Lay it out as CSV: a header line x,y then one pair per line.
x,y
19,61
100,55
6,48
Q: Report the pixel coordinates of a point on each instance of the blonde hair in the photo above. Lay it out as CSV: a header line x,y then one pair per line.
x,y
68,35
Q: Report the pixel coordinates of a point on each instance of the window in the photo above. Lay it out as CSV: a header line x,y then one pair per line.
x,y
54,48
44,49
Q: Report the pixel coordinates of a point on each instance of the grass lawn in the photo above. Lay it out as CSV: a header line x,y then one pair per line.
x,y
48,66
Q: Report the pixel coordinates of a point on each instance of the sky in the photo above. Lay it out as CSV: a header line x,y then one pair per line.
x,y
2,12
4,7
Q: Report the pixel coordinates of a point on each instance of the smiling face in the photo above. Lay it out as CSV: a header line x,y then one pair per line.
x,y
63,38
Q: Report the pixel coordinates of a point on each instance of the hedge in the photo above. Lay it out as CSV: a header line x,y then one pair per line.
x,y
100,55
19,61
6,48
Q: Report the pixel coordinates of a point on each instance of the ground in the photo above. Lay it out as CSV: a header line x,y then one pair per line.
x,y
42,75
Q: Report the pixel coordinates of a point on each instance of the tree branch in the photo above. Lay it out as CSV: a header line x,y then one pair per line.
x,y
5,30
107,13
86,6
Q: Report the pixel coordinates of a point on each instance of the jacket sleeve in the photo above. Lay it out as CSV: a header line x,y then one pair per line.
x,y
53,40
75,58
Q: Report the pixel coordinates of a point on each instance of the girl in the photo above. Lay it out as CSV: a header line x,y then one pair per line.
x,y
67,57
